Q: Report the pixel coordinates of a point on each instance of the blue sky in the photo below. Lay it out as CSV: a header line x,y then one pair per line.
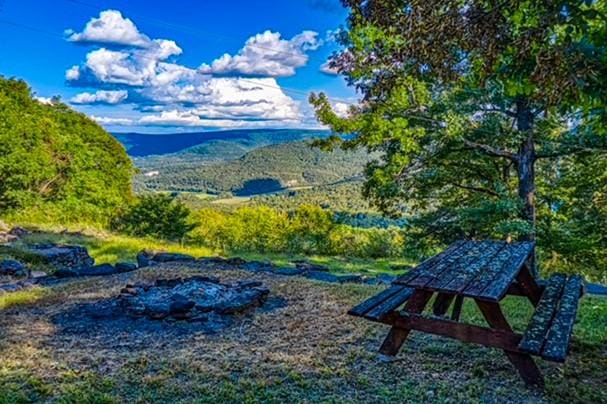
x,y
184,65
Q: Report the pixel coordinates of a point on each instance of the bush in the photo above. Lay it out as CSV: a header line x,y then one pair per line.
x,y
156,215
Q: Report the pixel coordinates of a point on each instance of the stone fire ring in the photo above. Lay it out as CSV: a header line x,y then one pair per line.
x,y
192,299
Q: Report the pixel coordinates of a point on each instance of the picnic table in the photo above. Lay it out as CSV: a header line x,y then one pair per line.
x,y
485,271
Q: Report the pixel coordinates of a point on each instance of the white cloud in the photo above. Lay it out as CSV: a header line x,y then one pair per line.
x,y
341,109
266,54
181,96
327,69
104,120
100,97
112,28
44,100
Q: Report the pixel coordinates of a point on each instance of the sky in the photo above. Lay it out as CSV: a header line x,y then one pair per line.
x,y
180,65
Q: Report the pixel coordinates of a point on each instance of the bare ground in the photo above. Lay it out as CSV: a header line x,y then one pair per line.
x,y
308,350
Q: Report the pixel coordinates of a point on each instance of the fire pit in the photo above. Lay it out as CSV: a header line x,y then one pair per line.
x,y
198,298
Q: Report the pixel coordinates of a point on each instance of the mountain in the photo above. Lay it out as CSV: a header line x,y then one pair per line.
x,y
262,170
210,144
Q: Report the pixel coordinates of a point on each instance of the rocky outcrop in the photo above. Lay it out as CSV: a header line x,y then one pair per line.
x,y
197,298
63,256
13,268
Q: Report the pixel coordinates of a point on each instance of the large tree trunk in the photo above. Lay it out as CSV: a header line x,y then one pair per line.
x,y
526,164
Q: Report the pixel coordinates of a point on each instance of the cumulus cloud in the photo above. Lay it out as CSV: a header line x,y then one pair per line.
x,y
327,69
111,28
266,54
232,91
100,97
341,109
44,100
104,120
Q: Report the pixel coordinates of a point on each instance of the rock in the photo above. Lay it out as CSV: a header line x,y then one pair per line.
x,y
288,271
125,266
170,283
19,231
38,274
258,266
380,279
65,273
6,238
98,270
172,257
250,298
308,266
322,276
157,311
13,287
349,278
180,304
63,256
236,261
248,284
13,268
144,259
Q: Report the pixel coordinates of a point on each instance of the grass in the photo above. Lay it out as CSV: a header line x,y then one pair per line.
x,y
22,297
308,351
110,248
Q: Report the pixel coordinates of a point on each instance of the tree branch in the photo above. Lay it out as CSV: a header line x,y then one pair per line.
x,y
475,189
489,150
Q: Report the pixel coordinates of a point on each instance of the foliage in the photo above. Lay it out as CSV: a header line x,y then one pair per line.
x,y
57,163
156,215
307,230
484,113
262,170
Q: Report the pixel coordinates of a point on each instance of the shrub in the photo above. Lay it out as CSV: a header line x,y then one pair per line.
x,y
156,215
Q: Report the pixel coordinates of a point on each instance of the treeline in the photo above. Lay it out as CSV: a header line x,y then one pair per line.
x,y
287,165
260,229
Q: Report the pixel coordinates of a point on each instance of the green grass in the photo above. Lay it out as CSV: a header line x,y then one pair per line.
x,y
111,248
22,297
335,264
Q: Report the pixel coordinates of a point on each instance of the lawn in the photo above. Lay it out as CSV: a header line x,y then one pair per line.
x,y
306,351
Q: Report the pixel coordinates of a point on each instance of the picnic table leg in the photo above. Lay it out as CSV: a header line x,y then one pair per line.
x,y
457,308
523,363
397,336
442,303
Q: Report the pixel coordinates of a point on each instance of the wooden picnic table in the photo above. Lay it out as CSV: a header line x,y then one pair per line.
x,y
485,271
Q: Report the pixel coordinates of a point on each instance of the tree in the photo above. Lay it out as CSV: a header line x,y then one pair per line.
x,y
468,99
158,216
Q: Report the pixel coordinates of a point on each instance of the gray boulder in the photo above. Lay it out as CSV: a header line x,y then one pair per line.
x,y
13,268
172,257
63,256
98,270
144,259
65,273
125,266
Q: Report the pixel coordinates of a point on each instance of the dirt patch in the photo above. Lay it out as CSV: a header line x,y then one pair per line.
x,y
300,346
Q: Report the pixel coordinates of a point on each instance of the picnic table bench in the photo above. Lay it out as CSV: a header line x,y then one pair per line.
x,y
485,271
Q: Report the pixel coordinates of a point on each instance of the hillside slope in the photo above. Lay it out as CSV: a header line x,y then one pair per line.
x,y
57,161
262,170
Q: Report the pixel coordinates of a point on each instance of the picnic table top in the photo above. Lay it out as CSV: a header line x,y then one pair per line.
x,y
479,269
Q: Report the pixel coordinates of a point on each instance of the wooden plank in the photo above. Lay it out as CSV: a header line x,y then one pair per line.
x,y
391,303
427,265
489,337
457,308
498,286
484,277
523,363
538,327
557,341
441,266
530,287
397,335
442,303
469,270
373,301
